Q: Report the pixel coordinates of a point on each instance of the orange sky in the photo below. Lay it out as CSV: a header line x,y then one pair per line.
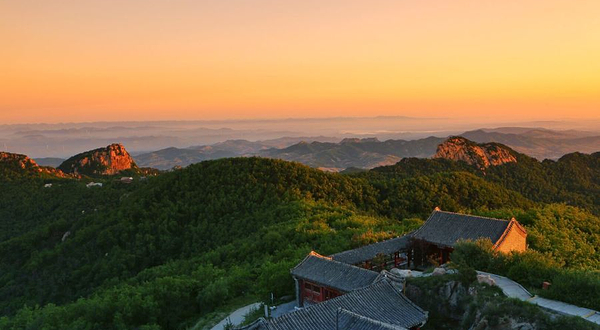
x,y
84,60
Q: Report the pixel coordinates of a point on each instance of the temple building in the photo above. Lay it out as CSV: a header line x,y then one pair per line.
x,y
362,288
435,240
378,306
319,278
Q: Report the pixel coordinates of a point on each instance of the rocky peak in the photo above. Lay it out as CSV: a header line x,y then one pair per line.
x,y
103,161
479,155
20,161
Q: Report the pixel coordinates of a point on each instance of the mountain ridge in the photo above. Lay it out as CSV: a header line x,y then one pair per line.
x,y
371,152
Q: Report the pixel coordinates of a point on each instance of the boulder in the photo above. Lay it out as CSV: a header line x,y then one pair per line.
x,y
438,272
487,279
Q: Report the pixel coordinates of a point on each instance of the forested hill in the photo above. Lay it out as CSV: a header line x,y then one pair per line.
x,y
163,252
573,179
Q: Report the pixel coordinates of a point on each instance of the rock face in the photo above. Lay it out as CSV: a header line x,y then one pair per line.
x,y
455,301
22,165
479,155
20,161
103,161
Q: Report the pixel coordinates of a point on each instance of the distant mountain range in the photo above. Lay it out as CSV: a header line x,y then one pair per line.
x,y
62,140
368,153
359,153
180,157
538,142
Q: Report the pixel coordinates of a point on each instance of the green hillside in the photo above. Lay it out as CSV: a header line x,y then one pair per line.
x,y
163,252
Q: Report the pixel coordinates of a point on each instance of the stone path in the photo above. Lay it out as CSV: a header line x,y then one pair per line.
x,y
236,317
515,290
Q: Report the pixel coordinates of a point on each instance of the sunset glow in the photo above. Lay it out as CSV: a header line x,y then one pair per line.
x,y
150,60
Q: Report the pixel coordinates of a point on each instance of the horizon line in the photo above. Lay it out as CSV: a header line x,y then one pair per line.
x,y
280,119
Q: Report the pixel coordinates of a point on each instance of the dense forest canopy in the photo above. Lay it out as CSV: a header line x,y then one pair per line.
x,y
160,253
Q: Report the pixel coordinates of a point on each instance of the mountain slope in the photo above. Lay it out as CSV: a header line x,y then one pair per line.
x,y
15,166
159,253
191,226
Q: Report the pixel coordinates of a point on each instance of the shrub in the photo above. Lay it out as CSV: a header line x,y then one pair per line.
x,y
475,254
466,275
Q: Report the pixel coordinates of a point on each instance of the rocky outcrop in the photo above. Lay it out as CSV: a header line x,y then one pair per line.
x,y
480,155
504,323
20,165
18,160
103,161
474,306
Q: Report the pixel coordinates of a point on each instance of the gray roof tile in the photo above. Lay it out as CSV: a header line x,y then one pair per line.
x,y
333,274
379,306
447,228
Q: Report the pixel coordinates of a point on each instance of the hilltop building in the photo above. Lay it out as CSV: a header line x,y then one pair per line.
x,y
378,306
343,292
442,230
320,278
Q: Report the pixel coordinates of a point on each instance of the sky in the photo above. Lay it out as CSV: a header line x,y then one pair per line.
x,y
84,60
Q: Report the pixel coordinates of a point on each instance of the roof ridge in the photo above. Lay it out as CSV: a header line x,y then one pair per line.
x,y
472,215
318,255
402,295
519,225
312,253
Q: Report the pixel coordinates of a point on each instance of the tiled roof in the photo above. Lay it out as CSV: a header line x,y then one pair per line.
x,y
447,228
369,252
333,274
347,320
379,306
